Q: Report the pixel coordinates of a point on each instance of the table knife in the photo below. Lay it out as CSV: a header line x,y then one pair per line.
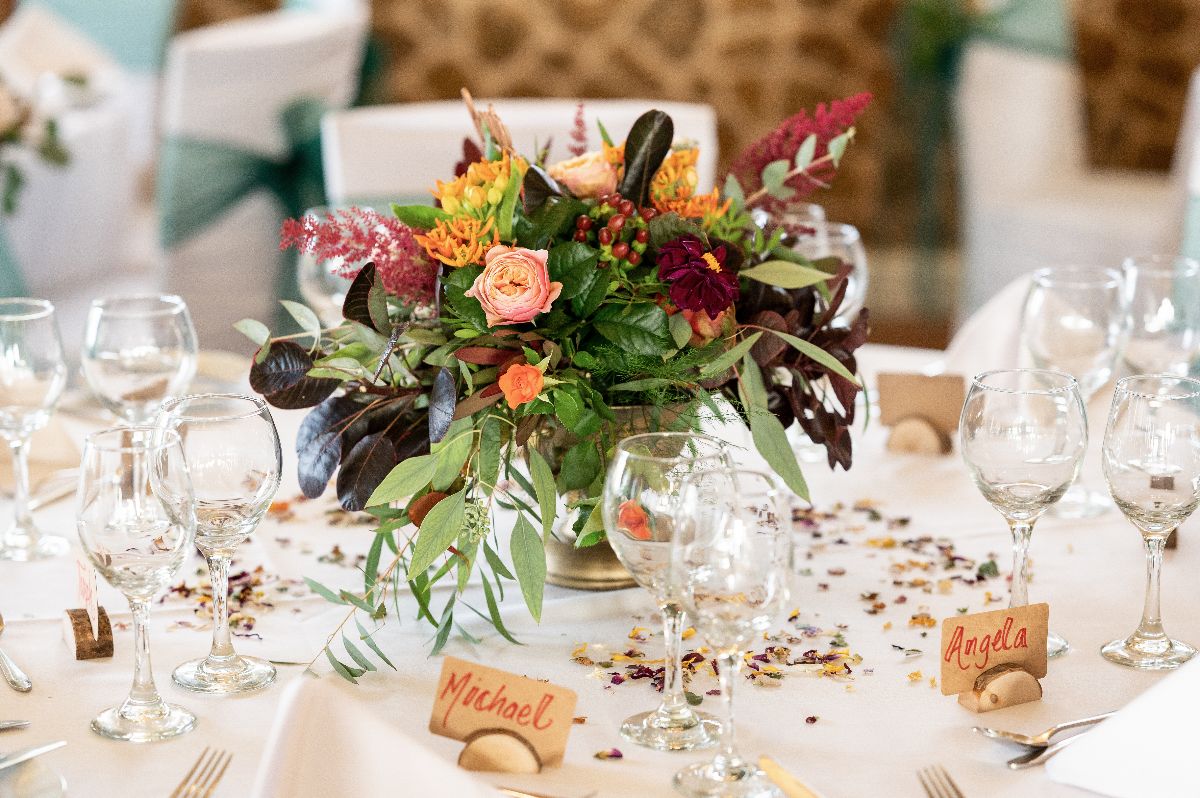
x,y
25,754
8,725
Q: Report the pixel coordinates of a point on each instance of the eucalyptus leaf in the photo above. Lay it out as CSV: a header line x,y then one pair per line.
x,y
784,274
837,146
804,155
451,458
366,637
323,591
357,655
424,217
543,488
529,561
256,331
730,356
438,531
814,352
305,317
406,479
344,671
494,612
733,190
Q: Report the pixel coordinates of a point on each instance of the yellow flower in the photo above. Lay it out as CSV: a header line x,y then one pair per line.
x,y
478,191
461,241
673,188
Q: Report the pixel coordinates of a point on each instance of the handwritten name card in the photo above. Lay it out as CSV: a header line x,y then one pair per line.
x,y
473,697
973,644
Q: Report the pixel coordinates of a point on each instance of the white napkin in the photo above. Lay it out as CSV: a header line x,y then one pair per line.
x,y
324,743
991,338
1148,748
35,41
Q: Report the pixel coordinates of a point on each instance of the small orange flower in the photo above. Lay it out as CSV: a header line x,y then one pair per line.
x,y
460,242
521,383
674,188
632,518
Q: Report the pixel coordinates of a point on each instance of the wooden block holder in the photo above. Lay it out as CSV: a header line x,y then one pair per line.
x,y
499,751
999,687
917,434
77,633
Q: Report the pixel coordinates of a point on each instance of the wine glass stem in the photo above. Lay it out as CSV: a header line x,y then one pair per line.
x,y
22,517
1151,627
674,704
218,572
143,693
1019,590
729,666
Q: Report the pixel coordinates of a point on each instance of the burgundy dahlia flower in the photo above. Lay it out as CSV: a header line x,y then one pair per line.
x,y
699,278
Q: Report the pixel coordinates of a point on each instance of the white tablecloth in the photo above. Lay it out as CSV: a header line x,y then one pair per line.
x,y
872,732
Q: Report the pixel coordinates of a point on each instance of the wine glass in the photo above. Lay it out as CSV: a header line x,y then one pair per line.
x,y
32,378
1076,320
1165,311
232,451
641,495
732,563
1023,433
1152,464
138,351
136,522
843,242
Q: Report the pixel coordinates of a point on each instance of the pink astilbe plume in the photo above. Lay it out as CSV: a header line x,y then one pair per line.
x,y
579,136
785,140
359,236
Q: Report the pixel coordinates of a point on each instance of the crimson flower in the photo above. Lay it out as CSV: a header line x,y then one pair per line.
x,y
698,278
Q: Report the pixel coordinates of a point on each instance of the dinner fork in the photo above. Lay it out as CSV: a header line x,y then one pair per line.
x,y
202,779
937,783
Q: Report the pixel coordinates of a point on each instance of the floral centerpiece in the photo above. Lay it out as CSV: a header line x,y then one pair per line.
x,y
532,294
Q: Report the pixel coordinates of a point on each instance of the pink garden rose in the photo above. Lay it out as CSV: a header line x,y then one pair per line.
x,y
588,175
514,286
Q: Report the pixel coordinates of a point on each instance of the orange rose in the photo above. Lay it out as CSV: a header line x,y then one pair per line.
x,y
588,175
521,383
632,518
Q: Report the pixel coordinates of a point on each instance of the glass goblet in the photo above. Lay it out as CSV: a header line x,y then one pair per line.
x,y
233,455
731,561
1076,320
136,524
1165,310
1152,464
138,351
32,378
1022,434
641,495
843,243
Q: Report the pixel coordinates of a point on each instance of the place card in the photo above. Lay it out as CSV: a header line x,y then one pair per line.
x,y
473,698
977,643
85,588
938,400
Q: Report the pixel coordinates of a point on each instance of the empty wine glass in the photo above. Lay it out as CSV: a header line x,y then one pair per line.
x,y
1076,320
1152,464
1165,310
842,242
1023,433
138,351
641,495
731,562
232,451
32,378
136,523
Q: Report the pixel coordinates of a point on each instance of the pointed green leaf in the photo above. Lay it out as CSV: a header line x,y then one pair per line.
x,y
804,155
733,190
344,671
406,479
681,330
256,331
785,274
323,591
837,146
439,529
529,561
543,488
305,317
729,357
366,637
444,625
357,655
818,354
494,612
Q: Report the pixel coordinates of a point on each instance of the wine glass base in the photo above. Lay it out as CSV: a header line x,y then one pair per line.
x,y
702,780
238,675
702,732
158,723
46,547
1079,502
1149,655
1056,645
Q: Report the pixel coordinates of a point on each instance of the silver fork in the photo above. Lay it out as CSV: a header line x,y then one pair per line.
x,y
937,783
202,779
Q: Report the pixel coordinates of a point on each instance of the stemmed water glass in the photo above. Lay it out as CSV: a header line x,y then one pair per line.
x,y
1152,464
1023,433
136,522
640,506
731,561
232,451
1165,310
1076,320
138,351
843,242
32,378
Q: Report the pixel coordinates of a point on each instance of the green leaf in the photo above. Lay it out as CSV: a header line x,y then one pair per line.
x,y
371,567
681,330
785,275
498,566
508,205
357,655
804,155
733,190
646,146
439,529
357,601
607,139
452,457
424,217
580,466
670,226
641,328
647,384
818,354
837,146
304,316
455,286
573,264
323,591
366,637
543,488
444,625
593,529
405,480
774,174
529,561
768,434
256,331
489,453
344,671
729,357
494,612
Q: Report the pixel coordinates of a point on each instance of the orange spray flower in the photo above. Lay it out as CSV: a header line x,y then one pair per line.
x,y
521,383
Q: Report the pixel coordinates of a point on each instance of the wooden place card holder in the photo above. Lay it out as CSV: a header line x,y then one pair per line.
x,y
83,642
922,411
992,660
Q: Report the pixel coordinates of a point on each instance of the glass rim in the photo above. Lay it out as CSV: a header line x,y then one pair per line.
x,y
169,305
1160,264
97,441
1072,384
170,406
1191,383
1077,276
653,458
37,308
847,232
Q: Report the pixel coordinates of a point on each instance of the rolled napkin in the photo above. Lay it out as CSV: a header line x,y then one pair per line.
x,y
991,338
1148,748
325,743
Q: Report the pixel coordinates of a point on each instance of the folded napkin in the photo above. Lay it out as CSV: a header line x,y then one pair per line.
x,y
35,41
1148,748
991,338
324,742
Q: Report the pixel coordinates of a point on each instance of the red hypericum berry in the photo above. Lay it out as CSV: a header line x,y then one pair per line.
x,y
616,223
620,250
581,236
634,257
614,198
605,235
648,213
641,236
583,222
626,207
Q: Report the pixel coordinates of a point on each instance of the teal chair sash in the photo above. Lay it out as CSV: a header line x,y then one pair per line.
x,y
134,32
12,282
1190,245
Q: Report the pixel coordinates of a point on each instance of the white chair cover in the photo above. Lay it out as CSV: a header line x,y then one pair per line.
x,y
229,84
1186,171
398,152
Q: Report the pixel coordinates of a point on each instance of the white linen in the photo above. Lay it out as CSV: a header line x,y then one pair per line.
x,y
1148,748
35,40
991,338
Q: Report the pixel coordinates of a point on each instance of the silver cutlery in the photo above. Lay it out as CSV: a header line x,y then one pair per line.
x,y
937,783
15,677
25,754
201,780
9,725
515,793
1039,740
1038,756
